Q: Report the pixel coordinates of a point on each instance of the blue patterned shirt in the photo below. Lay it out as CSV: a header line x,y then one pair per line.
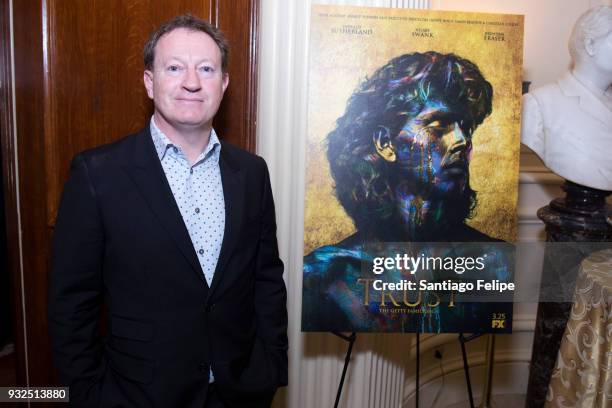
x,y
198,192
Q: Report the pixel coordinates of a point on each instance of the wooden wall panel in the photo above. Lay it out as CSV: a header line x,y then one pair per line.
x,y
95,91
78,70
240,95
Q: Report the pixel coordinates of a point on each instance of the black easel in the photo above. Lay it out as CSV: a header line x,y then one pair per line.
x,y
462,340
466,367
418,368
351,340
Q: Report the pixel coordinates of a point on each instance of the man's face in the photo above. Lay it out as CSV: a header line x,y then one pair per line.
x,y
187,83
433,156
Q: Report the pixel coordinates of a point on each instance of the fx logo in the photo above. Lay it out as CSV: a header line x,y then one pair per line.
x,y
498,323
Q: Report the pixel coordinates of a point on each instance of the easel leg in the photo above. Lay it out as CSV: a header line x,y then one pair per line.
x,y
466,367
418,367
351,340
488,384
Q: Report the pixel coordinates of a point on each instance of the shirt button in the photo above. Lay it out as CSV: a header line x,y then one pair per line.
x,y
201,251
191,170
197,210
175,149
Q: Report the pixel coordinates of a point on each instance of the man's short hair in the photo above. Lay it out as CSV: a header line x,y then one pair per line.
x,y
592,24
192,23
395,93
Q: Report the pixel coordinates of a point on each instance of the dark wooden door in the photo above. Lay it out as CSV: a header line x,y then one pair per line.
x,y
78,83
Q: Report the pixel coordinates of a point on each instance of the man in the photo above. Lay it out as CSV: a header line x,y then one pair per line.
x,y
399,157
175,232
568,123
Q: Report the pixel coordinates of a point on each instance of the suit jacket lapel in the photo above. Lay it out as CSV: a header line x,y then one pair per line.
x,y
148,174
588,102
233,194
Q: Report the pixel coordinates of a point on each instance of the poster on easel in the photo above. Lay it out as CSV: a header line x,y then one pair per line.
x,y
412,166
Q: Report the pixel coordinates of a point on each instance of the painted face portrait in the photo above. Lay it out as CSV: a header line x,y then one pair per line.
x,y
432,154
400,154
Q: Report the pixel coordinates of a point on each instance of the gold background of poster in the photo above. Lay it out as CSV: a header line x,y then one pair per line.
x,y
340,61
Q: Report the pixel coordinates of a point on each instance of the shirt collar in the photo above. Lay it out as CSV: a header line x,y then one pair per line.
x,y
214,145
162,143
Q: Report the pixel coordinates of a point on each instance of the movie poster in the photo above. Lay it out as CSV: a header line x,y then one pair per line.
x,y
412,164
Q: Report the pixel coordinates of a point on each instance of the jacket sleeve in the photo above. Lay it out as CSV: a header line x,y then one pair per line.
x,y
75,288
270,292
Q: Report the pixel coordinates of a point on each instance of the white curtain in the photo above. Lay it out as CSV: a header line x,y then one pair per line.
x,y
378,368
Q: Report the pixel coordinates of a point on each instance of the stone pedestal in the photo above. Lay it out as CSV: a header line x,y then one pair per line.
x,y
580,216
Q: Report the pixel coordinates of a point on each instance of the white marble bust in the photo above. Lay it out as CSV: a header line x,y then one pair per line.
x,y
569,123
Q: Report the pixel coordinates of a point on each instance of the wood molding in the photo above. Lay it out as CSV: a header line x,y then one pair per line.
x,y
529,176
31,163
9,184
237,117
251,143
52,159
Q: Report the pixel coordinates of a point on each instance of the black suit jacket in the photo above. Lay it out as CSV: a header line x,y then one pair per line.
x,y
120,240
